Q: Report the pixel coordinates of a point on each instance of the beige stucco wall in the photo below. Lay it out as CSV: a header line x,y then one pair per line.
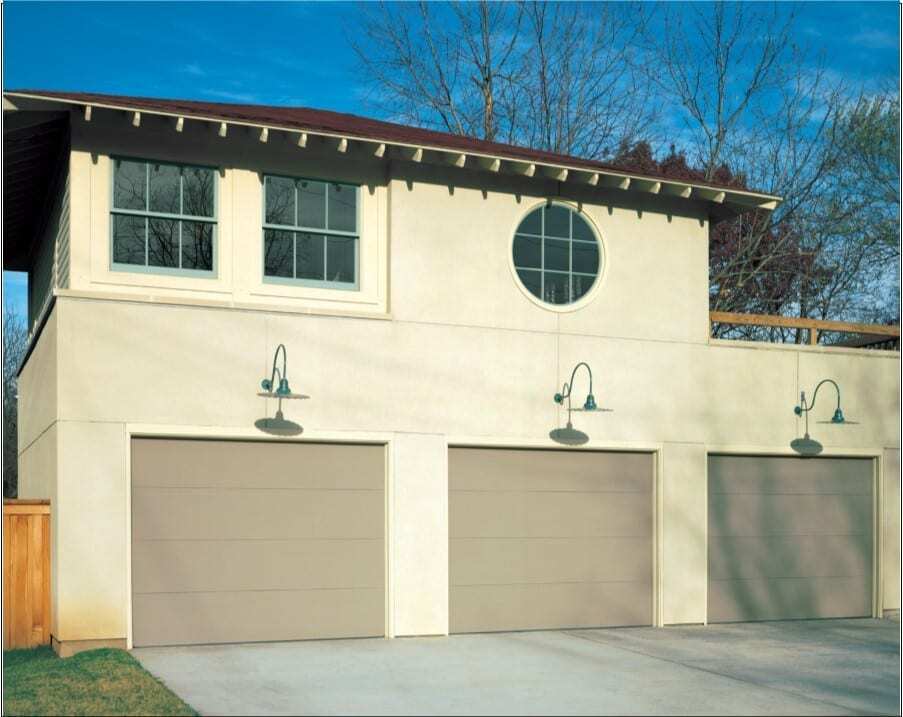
x,y
445,350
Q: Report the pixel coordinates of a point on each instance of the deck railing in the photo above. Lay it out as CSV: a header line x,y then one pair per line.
x,y
877,336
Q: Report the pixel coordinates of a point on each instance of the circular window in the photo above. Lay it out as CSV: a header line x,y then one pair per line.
x,y
557,255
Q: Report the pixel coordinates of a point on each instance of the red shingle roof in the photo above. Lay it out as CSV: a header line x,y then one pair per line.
x,y
315,120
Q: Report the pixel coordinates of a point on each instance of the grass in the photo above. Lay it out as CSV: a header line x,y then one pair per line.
x,y
96,682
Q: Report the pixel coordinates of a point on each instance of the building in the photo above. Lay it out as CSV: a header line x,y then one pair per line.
x,y
432,293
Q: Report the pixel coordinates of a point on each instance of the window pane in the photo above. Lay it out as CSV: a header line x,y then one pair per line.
x,y
280,201
532,223
129,185
532,280
163,243
528,251
557,254
278,253
309,256
197,191
580,285
582,230
312,204
557,221
342,207
164,188
340,259
128,239
556,289
586,257
197,246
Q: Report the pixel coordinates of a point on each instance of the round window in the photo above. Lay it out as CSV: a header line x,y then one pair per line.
x,y
557,255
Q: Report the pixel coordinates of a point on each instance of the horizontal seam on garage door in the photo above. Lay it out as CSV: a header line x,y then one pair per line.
x,y
645,536
788,577
869,495
375,588
258,488
576,491
262,540
644,581
790,535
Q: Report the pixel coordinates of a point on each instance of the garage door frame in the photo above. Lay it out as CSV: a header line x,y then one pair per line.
x,y
652,449
877,458
206,434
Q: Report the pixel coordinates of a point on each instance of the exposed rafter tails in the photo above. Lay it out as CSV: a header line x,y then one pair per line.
x,y
615,181
222,129
458,160
136,119
593,179
180,124
264,134
87,113
380,150
489,163
343,145
646,185
558,173
302,140
528,169
712,195
415,154
677,190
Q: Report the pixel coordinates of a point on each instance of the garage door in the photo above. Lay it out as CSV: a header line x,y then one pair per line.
x,y
789,538
250,541
549,539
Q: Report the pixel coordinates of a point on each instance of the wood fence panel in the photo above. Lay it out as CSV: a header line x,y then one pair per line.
x,y
26,573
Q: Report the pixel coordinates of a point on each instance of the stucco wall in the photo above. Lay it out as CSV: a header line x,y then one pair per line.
x,y
445,349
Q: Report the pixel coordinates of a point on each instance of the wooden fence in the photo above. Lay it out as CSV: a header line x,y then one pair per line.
x,y
876,335
26,573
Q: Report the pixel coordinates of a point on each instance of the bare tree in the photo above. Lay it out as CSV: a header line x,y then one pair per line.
x,y
14,342
560,77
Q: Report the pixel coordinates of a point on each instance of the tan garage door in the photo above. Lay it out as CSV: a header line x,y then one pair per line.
x,y
789,538
545,539
244,541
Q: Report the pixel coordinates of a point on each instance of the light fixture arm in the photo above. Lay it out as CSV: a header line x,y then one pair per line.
x,y
568,387
275,371
804,407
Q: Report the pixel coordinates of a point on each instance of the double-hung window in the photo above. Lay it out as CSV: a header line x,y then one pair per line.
x,y
310,232
163,217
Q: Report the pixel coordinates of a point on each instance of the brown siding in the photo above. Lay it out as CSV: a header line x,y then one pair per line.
x,y
549,539
789,538
236,541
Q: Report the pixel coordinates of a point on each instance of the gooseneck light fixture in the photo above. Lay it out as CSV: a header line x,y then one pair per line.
x,y
569,435
280,391
806,446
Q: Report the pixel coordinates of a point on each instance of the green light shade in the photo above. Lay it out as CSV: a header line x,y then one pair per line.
x,y
590,404
283,389
266,384
838,417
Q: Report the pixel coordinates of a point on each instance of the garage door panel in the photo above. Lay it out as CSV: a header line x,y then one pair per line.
x,y
224,565
789,538
217,617
549,606
525,560
202,513
790,556
226,550
753,474
177,463
492,469
562,539
789,598
775,514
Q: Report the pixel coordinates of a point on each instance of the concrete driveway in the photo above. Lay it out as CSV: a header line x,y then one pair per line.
x,y
806,667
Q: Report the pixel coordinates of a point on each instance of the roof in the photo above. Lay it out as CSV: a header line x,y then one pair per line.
x,y
317,121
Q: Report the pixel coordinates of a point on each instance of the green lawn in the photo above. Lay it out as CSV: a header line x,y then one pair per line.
x,y
97,682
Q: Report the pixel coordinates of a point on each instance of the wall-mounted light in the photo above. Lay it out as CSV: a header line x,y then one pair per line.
x,y
569,435
807,446
280,391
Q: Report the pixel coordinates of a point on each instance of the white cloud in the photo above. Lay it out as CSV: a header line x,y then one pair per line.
x,y
231,96
875,39
193,69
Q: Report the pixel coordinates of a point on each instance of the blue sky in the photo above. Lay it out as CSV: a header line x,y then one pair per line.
x,y
296,53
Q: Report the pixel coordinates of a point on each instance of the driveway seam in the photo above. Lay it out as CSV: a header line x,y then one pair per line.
x,y
849,710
